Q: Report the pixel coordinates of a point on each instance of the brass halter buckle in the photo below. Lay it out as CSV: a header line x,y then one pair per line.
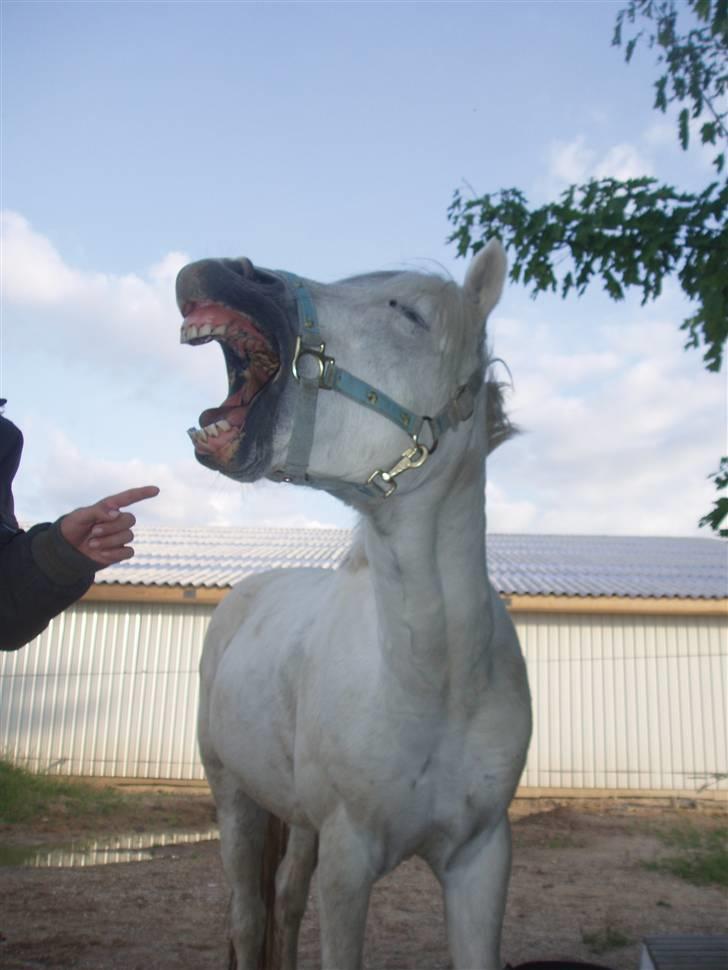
x,y
414,457
326,365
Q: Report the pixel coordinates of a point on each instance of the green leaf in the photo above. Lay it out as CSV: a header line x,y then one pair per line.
x,y
702,9
708,133
715,518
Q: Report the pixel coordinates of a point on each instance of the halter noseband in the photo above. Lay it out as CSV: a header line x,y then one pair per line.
x,y
329,377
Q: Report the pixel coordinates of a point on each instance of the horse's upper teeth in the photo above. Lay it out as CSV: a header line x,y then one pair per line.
x,y
224,425
205,330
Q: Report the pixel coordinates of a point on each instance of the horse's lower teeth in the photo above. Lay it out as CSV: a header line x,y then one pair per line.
x,y
210,430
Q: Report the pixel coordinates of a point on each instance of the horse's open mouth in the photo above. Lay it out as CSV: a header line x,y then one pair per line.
x,y
251,365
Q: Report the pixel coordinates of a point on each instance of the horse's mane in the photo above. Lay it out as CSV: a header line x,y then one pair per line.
x,y
499,426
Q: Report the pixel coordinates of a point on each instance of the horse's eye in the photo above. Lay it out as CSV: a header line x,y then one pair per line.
x,y
412,315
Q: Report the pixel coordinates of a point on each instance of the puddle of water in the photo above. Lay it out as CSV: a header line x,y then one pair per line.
x,y
98,852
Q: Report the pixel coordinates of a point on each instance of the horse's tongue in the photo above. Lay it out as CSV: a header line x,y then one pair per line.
x,y
233,413
235,407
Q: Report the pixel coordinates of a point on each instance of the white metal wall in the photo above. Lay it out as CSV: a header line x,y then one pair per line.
x,y
634,702
628,702
107,689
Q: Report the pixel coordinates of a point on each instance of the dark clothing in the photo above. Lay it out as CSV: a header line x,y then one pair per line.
x,y
40,572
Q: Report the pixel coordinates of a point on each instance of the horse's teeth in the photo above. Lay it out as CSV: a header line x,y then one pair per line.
x,y
190,331
220,330
213,430
200,435
205,330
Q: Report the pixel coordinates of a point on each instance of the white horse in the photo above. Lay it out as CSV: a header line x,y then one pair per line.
x,y
381,709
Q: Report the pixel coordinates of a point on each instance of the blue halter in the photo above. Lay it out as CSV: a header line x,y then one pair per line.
x,y
330,377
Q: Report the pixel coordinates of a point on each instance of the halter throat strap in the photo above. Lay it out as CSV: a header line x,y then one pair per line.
x,y
424,431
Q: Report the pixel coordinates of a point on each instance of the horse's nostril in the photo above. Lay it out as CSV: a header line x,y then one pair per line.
x,y
247,267
244,267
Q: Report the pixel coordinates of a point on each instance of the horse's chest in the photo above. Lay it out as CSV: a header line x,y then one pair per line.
x,y
465,783
457,797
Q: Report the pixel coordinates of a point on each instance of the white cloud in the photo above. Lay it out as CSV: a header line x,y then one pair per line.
x,y
33,272
660,134
572,161
578,367
622,162
113,320
619,439
508,515
575,161
165,271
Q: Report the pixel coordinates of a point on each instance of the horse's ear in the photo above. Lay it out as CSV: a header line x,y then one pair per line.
x,y
486,276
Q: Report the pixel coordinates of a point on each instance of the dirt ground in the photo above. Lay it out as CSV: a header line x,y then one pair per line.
x,y
578,879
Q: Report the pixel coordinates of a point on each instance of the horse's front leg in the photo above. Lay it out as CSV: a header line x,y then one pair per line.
x,y
346,873
475,885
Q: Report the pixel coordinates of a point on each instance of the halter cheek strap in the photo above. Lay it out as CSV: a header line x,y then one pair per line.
x,y
424,431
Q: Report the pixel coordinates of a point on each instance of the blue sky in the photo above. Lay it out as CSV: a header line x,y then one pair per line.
x,y
326,138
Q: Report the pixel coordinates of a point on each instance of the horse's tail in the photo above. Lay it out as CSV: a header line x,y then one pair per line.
x,y
274,848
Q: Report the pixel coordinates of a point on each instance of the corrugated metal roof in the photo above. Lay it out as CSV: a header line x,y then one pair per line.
x,y
529,565
220,557
608,566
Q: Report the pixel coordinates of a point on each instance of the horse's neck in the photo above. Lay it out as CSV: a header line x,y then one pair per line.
x,y
426,554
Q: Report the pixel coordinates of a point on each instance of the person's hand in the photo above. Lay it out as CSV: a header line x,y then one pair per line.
x,y
101,531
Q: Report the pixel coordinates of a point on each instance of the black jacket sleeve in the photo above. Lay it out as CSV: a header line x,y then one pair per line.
x,y
40,575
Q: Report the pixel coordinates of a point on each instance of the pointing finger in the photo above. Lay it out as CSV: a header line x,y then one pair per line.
x,y
115,502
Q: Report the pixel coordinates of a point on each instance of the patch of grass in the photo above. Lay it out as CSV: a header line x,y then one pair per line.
x,y
609,938
563,842
702,857
25,796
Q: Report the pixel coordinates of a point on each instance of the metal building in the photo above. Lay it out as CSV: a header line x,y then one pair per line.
x,y
626,641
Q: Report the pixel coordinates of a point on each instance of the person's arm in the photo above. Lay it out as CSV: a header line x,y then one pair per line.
x,y
45,570
30,596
